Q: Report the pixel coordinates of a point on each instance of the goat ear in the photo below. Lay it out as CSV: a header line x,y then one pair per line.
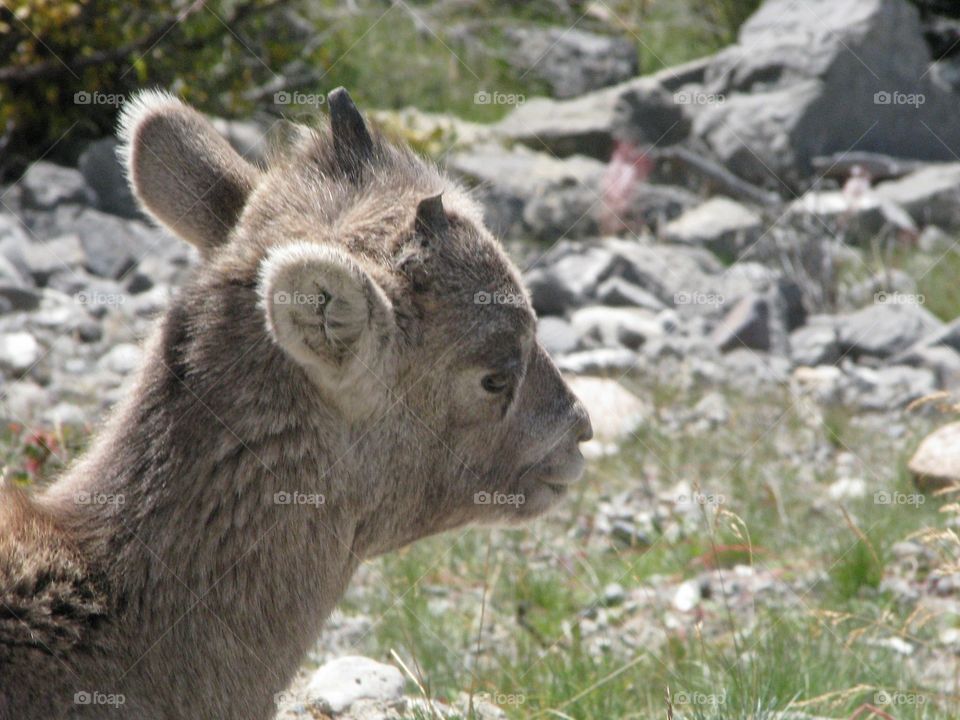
x,y
325,310
184,173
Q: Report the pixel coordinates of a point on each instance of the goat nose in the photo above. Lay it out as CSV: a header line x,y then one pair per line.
x,y
584,427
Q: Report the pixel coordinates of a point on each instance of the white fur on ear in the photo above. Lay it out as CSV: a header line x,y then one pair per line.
x,y
133,113
183,173
324,309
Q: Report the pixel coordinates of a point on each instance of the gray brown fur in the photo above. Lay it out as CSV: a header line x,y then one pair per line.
x,y
199,595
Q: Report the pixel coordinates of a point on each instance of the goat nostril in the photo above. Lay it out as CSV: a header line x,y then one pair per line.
x,y
585,429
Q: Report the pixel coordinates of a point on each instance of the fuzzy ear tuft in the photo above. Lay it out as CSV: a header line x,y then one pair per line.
x,y
325,310
184,173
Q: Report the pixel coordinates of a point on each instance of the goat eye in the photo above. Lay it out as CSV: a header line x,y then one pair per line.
x,y
495,382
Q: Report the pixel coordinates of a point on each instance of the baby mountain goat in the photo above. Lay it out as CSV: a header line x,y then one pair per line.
x,y
330,385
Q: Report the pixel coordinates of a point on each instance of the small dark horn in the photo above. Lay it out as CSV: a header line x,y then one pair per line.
x,y
431,217
351,139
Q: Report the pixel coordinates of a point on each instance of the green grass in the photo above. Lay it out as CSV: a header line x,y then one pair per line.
x,y
510,614
538,589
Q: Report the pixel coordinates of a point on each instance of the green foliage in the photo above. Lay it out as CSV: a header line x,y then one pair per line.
x,y
67,65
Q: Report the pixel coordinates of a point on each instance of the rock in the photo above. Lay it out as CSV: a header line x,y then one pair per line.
x,y
824,383
615,412
612,327
45,185
649,207
617,292
248,137
883,330
510,179
646,115
122,359
888,388
17,299
111,245
557,335
721,225
599,362
561,209
858,219
581,126
931,195
10,274
571,61
22,400
105,175
43,258
936,462
847,488
558,284
796,72
942,360
337,685
19,352
747,325
64,413
816,343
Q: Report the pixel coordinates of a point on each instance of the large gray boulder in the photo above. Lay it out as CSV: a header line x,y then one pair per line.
x,y
883,330
931,195
571,62
818,77
526,192
644,110
105,175
723,226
